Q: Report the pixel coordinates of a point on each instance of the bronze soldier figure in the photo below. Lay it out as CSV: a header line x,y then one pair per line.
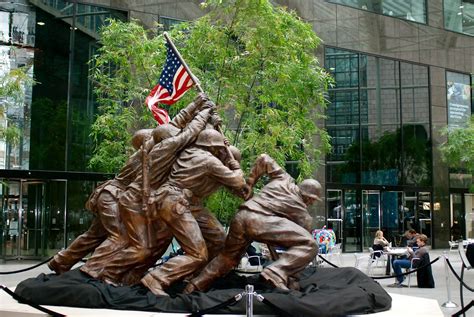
x,y
195,175
133,259
106,228
277,216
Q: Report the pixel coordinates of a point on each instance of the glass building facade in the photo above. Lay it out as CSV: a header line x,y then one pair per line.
x,y
402,71
379,122
411,10
459,16
44,175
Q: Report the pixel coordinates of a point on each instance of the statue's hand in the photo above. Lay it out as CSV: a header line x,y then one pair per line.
x,y
247,192
226,142
233,165
215,120
201,98
209,105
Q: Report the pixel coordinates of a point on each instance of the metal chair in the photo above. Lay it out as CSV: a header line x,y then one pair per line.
x,y
376,257
246,267
335,251
453,245
413,260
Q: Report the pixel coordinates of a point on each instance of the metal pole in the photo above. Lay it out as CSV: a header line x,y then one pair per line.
x,y
449,303
249,300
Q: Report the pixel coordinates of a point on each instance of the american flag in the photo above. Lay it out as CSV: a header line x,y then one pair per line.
x,y
174,82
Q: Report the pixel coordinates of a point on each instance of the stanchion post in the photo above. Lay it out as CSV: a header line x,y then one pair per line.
x,y
449,303
249,301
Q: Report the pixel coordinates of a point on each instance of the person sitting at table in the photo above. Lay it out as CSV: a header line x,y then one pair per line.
x,y
422,254
411,236
380,239
379,243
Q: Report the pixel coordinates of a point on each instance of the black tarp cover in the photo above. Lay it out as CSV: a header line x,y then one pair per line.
x,y
324,292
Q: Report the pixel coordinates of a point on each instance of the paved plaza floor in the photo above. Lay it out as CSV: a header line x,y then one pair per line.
x,y
411,297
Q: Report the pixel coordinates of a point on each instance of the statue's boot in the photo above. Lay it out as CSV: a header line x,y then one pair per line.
x,y
153,285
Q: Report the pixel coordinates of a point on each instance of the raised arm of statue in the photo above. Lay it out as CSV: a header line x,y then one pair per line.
x,y
185,116
264,165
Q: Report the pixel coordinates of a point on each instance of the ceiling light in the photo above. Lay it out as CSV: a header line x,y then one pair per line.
x,y
40,23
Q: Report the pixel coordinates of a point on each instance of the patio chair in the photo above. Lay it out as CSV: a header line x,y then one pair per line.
x,y
377,258
453,245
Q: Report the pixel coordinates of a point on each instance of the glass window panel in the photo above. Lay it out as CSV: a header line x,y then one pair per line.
x,y
381,155
48,116
352,221
78,217
343,161
413,75
4,26
459,99
382,106
345,107
459,16
378,72
417,154
411,10
416,106
343,66
373,113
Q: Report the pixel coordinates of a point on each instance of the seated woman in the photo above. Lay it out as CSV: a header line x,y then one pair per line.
x,y
379,243
380,240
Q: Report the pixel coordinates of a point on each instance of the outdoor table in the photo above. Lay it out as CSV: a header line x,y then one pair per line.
x,y
396,253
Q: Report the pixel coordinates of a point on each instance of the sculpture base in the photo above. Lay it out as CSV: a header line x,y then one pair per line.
x,y
324,291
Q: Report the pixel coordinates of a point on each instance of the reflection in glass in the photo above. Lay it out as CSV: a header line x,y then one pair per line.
x,y
335,212
371,215
352,221
391,205
459,16
379,130
411,10
78,217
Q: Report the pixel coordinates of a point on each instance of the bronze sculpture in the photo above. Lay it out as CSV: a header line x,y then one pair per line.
x,y
138,239
276,216
158,195
106,228
195,175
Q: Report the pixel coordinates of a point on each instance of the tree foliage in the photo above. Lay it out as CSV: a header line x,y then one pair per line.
x,y
256,61
458,150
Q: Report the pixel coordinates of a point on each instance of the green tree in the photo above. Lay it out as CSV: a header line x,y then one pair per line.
x,y
256,61
458,150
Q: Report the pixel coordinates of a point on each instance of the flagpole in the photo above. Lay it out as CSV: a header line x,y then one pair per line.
x,y
173,47
194,78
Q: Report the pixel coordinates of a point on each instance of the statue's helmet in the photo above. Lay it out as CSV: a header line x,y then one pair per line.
x,y
210,137
311,188
139,136
164,131
235,153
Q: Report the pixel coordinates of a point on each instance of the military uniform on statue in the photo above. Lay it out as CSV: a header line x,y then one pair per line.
x,y
136,256
196,173
276,216
106,229
159,195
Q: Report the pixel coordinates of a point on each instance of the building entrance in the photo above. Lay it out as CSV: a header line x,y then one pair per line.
x,y
360,213
462,216
32,221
